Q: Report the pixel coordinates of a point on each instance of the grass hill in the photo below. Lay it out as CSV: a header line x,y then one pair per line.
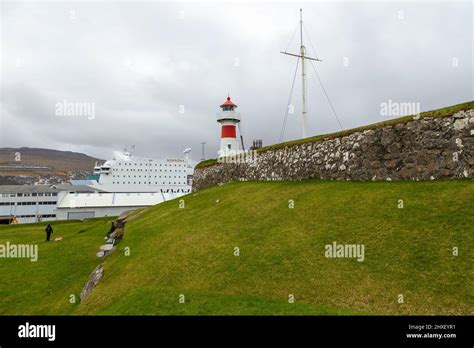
x,y
190,251
44,287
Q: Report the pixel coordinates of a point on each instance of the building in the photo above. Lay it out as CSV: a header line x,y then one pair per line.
x,y
256,144
85,205
228,118
34,203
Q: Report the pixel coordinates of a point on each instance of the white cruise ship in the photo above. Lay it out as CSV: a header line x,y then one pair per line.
x,y
127,173
121,184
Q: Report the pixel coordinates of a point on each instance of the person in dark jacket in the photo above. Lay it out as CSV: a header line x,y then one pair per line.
x,y
49,231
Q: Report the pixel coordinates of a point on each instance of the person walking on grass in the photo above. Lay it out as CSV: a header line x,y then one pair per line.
x,y
49,231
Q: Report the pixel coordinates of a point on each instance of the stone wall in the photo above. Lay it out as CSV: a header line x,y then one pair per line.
x,y
423,149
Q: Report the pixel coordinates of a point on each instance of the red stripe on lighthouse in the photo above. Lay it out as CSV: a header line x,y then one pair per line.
x,y
228,132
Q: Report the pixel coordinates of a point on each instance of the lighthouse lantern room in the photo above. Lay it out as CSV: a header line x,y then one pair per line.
x,y
228,118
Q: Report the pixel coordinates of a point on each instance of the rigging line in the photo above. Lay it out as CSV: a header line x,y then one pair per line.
x,y
291,39
282,133
310,42
325,93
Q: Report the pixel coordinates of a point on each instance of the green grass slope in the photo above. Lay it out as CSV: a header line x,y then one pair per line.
x,y
190,251
44,287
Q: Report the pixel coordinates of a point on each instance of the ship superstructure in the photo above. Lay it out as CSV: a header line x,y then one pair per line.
x,y
127,173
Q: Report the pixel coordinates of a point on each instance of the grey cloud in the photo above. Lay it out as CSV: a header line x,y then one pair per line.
x,y
138,62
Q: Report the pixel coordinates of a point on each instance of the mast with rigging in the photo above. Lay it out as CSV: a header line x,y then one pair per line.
x,y
303,58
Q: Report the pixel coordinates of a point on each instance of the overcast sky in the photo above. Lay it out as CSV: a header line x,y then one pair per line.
x,y
156,72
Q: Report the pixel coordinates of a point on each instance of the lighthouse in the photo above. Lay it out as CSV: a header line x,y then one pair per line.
x,y
228,118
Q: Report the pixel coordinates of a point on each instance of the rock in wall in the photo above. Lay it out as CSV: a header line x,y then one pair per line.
x,y
424,149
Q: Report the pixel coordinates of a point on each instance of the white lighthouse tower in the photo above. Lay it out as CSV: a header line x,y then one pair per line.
x,y
228,118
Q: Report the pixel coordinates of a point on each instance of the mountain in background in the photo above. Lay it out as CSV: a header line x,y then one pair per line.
x,y
37,161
